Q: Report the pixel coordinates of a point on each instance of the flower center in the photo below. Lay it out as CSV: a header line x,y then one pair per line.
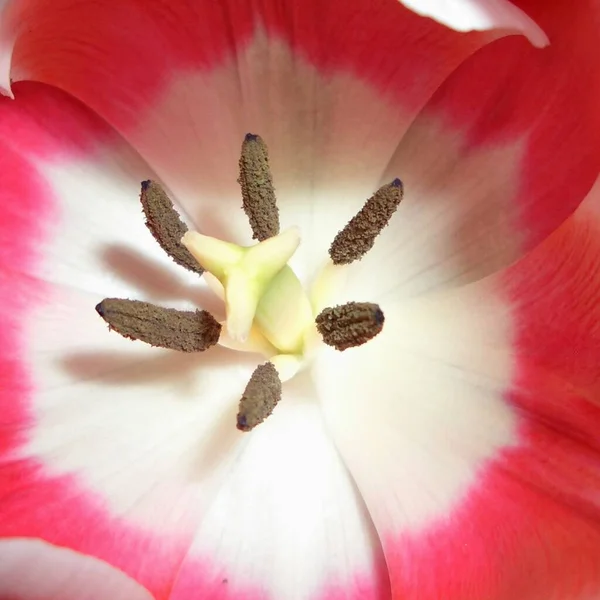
x,y
267,309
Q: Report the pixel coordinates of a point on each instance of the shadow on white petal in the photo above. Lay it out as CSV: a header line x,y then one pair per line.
x,y
147,368
158,281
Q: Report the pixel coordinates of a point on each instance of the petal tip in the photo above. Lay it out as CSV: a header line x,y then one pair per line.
x,y
6,50
481,15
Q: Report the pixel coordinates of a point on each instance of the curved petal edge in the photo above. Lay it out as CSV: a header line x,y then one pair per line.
x,y
34,570
480,15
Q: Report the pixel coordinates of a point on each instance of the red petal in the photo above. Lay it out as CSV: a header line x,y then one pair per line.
x,y
47,125
484,481
536,514
556,290
119,58
184,83
128,454
534,115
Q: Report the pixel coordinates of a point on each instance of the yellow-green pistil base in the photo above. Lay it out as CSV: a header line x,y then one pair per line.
x,y
266,306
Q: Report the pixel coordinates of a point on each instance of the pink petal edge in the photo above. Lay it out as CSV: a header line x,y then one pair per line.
x,y
35,570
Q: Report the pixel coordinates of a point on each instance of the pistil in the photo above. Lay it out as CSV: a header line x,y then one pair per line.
x,y
245,273
267,308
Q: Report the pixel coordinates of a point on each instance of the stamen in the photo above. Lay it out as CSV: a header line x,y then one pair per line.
x,y
260,397
185,331
358,237
258,193
166,226
350,325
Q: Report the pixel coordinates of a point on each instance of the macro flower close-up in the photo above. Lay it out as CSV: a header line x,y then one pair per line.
x,y
299,300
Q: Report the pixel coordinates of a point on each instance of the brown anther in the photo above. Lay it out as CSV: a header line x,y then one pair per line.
x,y
166,225
359,235
258,193
350,325
260,397
185,331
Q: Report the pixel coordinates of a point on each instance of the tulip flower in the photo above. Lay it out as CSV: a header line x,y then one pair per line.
x,y
299,300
